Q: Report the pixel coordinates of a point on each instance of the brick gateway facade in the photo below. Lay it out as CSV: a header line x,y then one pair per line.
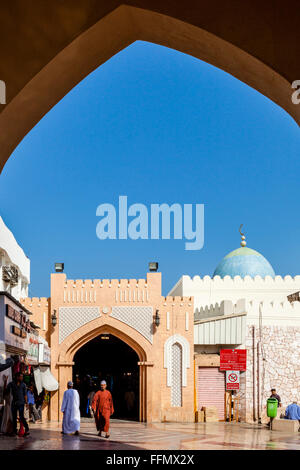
x,y
125,309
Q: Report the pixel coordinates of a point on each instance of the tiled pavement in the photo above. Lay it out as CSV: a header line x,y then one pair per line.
x,y
126,435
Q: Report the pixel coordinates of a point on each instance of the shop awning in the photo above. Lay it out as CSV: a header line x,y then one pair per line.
x,y
44,379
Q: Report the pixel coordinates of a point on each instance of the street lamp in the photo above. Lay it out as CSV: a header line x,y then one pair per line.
x,y
157,318
54,318
153,266
59,267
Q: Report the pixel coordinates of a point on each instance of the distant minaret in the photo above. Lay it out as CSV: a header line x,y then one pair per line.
x,y
243,242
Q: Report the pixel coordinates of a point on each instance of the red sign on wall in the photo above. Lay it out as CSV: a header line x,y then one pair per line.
x,y
233,359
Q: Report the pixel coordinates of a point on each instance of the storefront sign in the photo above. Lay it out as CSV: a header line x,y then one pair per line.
x,y
16,329
18,332
18,317
233,359
232,380
33,350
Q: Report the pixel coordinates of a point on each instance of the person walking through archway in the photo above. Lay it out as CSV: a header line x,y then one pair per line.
x,y
103,408
130,400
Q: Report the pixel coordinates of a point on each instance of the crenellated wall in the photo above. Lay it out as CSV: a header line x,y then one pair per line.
x,y
272,312
40,308
208,291
120,291
226,307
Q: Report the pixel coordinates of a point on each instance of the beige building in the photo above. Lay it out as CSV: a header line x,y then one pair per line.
x,y
159,330
165,351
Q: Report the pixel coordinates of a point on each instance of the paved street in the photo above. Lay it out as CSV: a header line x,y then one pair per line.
x,y
127,435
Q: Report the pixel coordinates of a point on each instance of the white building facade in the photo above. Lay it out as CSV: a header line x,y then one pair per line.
x,y
245,311
14,265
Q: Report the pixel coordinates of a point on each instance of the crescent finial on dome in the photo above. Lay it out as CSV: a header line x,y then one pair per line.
x,y
243,242
244,262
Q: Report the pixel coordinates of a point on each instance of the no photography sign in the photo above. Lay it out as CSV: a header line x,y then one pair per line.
x,y
232,380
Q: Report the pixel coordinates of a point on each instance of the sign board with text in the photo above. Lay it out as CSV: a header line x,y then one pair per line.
x,y
233,359
44,354
232,380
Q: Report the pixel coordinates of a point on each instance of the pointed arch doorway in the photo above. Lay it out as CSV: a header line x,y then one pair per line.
x,y
107,357
107,326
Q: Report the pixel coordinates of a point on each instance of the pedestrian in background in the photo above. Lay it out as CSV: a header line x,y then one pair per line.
x,y
7,419
90,401
19,400
71,411
130,400
275,395
33,413
103,408
293,411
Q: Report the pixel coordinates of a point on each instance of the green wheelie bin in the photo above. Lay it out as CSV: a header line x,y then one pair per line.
x,y
272,405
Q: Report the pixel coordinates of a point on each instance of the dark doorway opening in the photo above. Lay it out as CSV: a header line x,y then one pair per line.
x,y
108,358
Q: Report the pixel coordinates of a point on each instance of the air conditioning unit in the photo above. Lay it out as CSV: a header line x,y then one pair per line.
x,y
10,274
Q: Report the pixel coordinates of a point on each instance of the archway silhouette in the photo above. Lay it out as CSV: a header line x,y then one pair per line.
x,y
111,34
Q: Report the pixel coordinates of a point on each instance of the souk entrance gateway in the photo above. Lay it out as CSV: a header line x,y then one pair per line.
x,y
124,331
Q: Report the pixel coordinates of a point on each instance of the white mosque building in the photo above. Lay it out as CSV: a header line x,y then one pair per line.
x,y
245,305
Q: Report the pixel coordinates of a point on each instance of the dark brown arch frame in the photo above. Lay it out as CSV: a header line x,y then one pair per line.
x,y
113,33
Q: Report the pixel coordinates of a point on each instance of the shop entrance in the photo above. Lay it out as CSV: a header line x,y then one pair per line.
x,y
106,357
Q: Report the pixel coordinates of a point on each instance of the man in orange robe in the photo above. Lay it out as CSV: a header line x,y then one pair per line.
x,y
103,408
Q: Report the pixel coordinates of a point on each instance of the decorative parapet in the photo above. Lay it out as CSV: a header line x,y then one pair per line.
x,y
271,312
90,291
188,300
39,306
226,307
207,291
277,281
207,287
35,302
177,312
284,312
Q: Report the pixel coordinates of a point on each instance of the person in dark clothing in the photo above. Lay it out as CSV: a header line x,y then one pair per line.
x,y
275,395
19,399
8,363
39,403
85,390
33,412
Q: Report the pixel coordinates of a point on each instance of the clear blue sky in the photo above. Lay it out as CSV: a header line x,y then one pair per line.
x,y
158,126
